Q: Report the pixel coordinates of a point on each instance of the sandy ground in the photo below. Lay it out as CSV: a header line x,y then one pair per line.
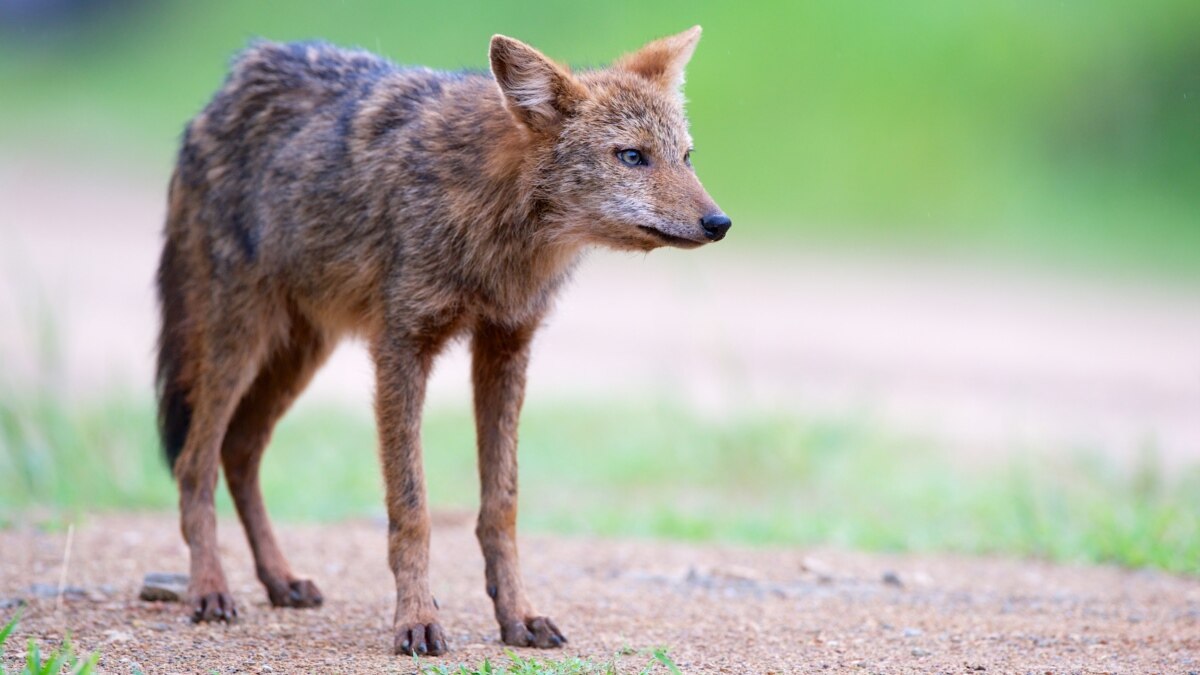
x,y
717,609
987,358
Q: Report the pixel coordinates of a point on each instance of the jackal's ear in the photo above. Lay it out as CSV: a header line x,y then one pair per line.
x,y
537,91
663,61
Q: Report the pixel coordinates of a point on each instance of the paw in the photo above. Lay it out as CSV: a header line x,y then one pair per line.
x,y
538,631
217,606
298,593
421,639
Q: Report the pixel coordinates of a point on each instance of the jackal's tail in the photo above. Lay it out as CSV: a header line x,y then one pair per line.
x,y
174,371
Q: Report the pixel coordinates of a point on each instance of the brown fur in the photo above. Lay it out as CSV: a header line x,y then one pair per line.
x,y
326,192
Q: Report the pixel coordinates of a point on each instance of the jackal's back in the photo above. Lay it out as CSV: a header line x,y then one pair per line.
x,y
279,134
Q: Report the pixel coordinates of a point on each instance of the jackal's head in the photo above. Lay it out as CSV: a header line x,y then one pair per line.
x,y
610,150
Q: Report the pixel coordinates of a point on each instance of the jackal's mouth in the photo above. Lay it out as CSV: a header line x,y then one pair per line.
x,y
670,239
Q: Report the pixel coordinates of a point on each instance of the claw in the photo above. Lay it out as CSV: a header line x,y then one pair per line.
x,y
421,640
214,607
300,593
534,632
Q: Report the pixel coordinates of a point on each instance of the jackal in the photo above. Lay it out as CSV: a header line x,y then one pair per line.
x,y
327,192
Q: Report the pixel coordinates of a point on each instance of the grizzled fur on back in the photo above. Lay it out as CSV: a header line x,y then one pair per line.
x,y
326,192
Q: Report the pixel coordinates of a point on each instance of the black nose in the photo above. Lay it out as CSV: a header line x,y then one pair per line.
x,y
715,225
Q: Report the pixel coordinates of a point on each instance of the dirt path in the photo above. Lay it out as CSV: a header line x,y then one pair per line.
x,y
718,609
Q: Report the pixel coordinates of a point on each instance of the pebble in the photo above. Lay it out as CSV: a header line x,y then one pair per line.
x,y
919,653
818,568
117,636
164,587
51,591
736,573
892,579
913,632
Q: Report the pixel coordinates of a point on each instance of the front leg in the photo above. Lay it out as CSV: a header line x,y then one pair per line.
x,y
401,368
500,355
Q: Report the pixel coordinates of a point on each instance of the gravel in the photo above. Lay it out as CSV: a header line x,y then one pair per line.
x,y
716,608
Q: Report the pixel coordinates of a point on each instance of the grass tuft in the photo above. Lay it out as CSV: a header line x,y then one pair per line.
x,y
59,661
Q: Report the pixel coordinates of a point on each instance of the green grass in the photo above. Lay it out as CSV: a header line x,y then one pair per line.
x,y
60,660
647,470
1057,131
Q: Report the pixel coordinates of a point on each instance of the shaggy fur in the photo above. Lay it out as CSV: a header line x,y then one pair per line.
x,y
326,192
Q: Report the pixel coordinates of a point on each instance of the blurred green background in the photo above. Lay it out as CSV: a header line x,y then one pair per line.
x,y
1059,132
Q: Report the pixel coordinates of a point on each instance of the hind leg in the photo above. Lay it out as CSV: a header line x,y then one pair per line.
x,y
283,376
231,350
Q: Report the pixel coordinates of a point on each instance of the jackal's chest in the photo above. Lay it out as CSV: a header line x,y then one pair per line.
x,y
523,295
512,304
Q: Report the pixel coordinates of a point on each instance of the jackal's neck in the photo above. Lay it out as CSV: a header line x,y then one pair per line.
x,y
502,166
510,232
521,232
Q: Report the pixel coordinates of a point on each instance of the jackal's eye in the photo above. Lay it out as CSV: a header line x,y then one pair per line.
x,y
687,158
631,157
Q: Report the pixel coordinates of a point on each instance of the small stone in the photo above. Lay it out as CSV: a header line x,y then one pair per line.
x,y
913,632
51,591
164,587
892,579
9,603
736,573
117,636
814,565
42,590
818,568
920,653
